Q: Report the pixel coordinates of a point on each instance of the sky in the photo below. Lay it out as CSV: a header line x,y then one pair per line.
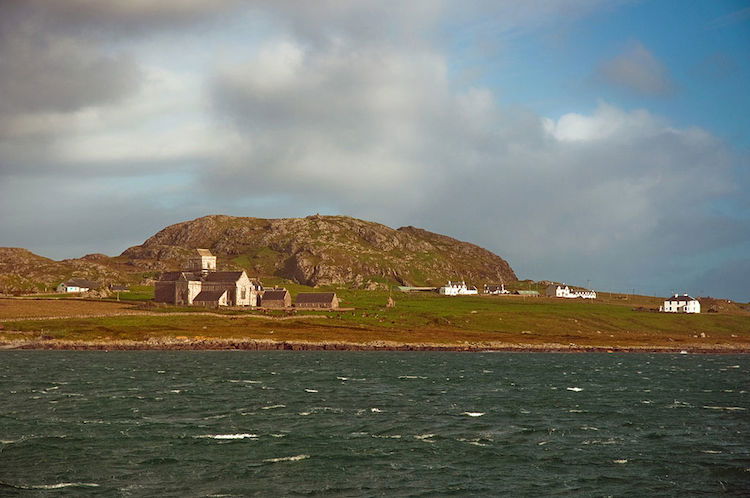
x,y
603,143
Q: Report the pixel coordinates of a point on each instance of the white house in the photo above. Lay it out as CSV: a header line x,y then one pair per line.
x,y
681,304
554,290
77,285
458,289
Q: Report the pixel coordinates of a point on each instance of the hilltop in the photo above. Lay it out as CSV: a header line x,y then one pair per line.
x,y
324,250
317,250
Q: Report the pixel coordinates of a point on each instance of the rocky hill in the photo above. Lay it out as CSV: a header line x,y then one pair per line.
x,y
23,271
320,250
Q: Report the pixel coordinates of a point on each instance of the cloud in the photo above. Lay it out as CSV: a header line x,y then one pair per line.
x,y
39,73
350,109
383,134
637,70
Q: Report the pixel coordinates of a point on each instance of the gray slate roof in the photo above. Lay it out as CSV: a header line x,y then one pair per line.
x,y
680,298
173,276
222,276
209,296
82,282
315,297
274,295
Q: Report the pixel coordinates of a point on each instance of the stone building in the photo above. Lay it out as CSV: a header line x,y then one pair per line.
x,y
276,298
208,286
316,300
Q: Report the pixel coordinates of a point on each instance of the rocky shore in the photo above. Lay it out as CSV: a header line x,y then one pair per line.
x,y
267,345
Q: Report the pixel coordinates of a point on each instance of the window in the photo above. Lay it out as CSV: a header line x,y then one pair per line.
x,y
244,293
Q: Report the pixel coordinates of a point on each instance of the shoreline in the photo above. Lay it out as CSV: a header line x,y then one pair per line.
x,y
269,345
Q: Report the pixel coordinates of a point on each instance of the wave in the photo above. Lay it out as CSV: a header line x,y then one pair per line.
x,y
728,408
473,414
229,436
58,485
294,458
311,390
574,389
271,407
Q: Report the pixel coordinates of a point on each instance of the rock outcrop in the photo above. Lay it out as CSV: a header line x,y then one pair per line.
x,y
321,250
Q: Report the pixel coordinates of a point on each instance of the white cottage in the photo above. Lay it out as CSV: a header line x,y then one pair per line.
x,y
77,285
458,289
554,290
681,304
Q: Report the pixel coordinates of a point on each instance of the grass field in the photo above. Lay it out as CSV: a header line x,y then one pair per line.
x,y
416,319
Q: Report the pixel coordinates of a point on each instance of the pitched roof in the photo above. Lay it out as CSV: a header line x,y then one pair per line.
x,y
275,295
315,297
82,282
223,276
203,252
173,276
678,298
209,296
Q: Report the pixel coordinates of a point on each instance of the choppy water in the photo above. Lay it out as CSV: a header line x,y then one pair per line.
x,y
367,424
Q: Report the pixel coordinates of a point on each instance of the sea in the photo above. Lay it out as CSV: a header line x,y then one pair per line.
x,y
293,423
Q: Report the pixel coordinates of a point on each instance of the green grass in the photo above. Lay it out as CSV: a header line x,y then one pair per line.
x,y
136,293
428,317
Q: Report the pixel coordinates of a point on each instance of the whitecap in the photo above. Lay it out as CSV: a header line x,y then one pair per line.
x,y
411,377
271,407
376,410
253,381
304,414
311,390
711,452
425,437
295,458
62,485
342,378
176,391
387,436
576,411
473,414
574,389
727,408
620,461
542,443
229,436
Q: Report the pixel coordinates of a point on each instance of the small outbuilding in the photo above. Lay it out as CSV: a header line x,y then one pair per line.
x,y
276,298
681,303
317,300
